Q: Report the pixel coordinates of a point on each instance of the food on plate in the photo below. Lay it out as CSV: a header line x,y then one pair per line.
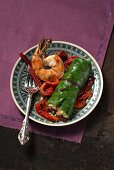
x,y
42,109
84,94
45,67
47,88
64,82
65,94
30,69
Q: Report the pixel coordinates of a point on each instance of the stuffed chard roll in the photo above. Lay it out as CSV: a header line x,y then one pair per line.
x,y
65,94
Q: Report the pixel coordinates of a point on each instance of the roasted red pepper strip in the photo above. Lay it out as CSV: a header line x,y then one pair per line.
x,y
30,69
88,85
81,100
63,55
25,59
46,89
70,59
41,108
34,76
84,94
41,105
80,104
53,81
48,116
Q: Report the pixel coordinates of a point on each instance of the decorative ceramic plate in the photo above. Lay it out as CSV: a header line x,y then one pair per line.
x,y
19,74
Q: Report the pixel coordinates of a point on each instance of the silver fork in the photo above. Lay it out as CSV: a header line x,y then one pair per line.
x,y
31,89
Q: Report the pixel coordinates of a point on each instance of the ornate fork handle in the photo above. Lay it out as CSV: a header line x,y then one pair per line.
x,y
23,135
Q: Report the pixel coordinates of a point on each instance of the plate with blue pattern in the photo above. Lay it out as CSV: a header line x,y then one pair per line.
x,y
19,73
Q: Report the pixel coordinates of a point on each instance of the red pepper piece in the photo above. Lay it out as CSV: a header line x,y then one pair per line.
x,y
63,55
80,104
41,108
48,116
87,86
86,95
81,101
41,105
61,118
25,59
69,61
34,76
30,69
46,89
53,81
89,83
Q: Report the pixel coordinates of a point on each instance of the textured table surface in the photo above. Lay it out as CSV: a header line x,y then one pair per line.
x,y
96,152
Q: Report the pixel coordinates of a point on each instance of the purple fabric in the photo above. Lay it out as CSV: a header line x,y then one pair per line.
x,y
24,22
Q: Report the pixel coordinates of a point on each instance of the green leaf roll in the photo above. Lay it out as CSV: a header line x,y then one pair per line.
x,y
66,92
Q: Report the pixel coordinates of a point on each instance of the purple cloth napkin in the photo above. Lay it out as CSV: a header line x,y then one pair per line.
x,y
23,23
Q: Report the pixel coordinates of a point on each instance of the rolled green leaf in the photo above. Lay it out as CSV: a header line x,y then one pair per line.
x,y
66,92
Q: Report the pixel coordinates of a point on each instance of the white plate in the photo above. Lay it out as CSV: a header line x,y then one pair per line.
x,y
19,73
